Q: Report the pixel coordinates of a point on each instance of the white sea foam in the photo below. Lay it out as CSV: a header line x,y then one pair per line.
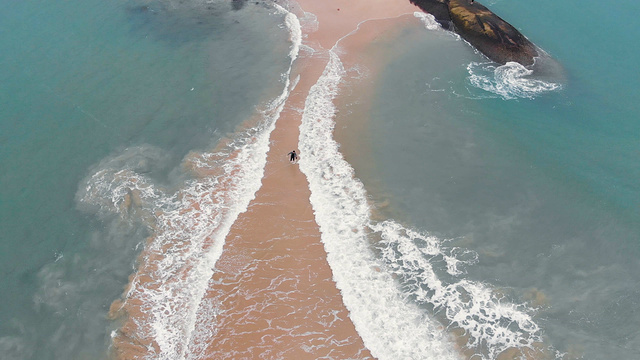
x,y
188,239
389,286
190,226
295,31
115,189
509,81
118,183
207,309
390,326
491,321
428,20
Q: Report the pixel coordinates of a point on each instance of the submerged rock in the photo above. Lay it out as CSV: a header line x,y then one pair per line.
x,y
495,38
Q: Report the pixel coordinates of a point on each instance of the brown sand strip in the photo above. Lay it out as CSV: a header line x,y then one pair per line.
x,y
273,291
276,296
273,288
273,285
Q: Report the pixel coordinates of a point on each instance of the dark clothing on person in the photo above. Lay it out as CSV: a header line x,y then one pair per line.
x,y
293,156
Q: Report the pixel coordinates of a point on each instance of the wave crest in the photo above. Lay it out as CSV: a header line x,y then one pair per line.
x,y
189,226
509,81
401,287
430,273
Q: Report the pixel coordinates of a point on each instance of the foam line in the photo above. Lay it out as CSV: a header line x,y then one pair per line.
x,y
428,20
390,327
509,81
191,226
492,322
389,286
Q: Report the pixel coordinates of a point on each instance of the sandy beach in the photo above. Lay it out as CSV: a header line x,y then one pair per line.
x,y
272,286
271,294
448,204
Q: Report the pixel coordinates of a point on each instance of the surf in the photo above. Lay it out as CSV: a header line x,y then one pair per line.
x,y
511,80
189,226
406,291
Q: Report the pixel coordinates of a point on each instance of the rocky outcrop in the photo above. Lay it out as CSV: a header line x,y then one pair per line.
x,y
486,31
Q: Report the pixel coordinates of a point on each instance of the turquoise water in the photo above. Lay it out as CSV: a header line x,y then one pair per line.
x,y
88,84
544,189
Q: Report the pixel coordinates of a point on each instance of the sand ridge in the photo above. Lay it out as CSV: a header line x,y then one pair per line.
x,y
272,288
283,302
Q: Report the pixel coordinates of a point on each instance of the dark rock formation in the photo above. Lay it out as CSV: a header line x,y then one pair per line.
x,y
486,31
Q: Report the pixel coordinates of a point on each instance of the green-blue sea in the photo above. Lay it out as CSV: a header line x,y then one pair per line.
x,y
542,186
91,84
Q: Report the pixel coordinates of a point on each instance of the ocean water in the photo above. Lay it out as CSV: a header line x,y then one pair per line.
x,y
530,180
511,199
94,86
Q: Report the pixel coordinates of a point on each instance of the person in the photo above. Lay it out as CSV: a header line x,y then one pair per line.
x,y
293,156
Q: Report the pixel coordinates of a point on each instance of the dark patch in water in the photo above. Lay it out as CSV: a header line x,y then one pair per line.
x,y
28,277
140,9
185,20
180,22
237,4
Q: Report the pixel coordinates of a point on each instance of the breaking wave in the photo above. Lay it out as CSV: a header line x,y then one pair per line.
x,y
189,225
402,288
509,81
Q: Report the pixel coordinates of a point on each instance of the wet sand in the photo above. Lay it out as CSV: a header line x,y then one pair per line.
x,y
271,295
273,284
275,289
272,288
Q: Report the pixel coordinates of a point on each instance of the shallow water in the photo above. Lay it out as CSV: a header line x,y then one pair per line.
x,y
542,188
511,200
94,85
